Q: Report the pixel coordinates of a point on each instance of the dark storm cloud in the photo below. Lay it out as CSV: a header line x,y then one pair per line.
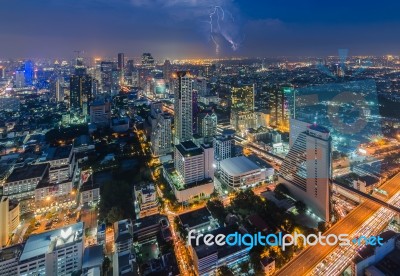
x,y
179,28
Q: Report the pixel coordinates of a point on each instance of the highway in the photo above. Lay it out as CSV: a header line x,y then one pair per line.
x,y
309,258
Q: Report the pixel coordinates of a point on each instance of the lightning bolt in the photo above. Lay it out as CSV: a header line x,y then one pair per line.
x,y
219,12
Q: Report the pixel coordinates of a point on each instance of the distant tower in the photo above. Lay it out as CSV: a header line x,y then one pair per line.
x,y
80,91
121,61
28,73
281,106
167,71
19,79
183,106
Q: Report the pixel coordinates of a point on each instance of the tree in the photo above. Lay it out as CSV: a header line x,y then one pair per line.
x,y
116,194
217,209
321,226
180,228
114,215
280,188
300,206
224,271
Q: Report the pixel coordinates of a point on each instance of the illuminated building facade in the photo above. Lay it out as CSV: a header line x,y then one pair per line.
x,y
307,169
183,106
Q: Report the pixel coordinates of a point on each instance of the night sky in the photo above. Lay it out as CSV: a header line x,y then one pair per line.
x,y
181,28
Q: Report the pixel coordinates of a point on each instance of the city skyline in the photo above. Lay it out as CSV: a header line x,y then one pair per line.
x,y
177,29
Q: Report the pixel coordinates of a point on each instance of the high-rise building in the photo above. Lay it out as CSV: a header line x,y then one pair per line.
x,y
201,86
80,91
281,106
161,135
195,111
2,72
100,113
106,68
147,60
19,79
224,145
55,252
243,116
183,106
4,218
167,71
121,61
306,170
28,72
9,218
207,124
243,98
194,163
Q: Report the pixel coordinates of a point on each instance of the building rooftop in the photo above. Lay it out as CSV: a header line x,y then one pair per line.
x,y
122,230
93,256
266,261
238,165
369,250
27,172
188,148
222,251
82,140
368,179
194,218
46,242
318,128
11,252
59,152
390,265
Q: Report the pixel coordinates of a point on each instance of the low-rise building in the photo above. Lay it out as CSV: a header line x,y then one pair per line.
x,y
146,228
89,193
268,266
209,258
123,236
366,183
370,255
199,220
240,173
93,258
146,203
21,184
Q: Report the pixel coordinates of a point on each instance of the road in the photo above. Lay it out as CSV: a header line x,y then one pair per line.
x,y
305,262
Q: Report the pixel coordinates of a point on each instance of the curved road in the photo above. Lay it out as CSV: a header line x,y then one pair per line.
x,y
310,257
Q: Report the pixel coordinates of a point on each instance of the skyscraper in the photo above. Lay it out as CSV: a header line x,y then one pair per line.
x,y
28,73
2,72
224,145
167,70
281,106
106,68
183,106
242,109
80,91
306,170
19,79
243,98
161,138
121,61
207,124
